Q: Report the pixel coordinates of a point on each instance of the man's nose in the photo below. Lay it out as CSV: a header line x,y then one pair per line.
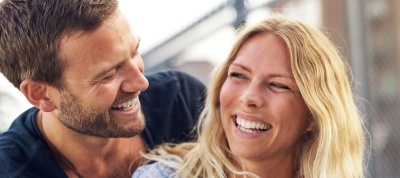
x,y
134,80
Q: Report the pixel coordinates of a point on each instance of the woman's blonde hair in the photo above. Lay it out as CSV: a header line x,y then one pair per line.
x,y
335,147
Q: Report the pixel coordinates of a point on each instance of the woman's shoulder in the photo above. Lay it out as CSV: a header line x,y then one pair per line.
x,y
154,170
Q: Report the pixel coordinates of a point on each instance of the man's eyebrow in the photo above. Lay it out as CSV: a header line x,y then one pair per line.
x,y
107,70
138,44
136,47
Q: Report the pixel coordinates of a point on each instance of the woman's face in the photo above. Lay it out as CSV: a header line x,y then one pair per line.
x,y
263,113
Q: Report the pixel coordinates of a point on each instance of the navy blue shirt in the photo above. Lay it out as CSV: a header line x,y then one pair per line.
x,y
171,106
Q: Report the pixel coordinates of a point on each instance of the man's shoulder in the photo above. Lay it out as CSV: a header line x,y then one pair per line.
x,y
171,106
172,78
172,93
22,128
22,151
173,87
19,132
16,146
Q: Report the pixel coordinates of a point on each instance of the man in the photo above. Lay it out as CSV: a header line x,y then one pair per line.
x,y
77,62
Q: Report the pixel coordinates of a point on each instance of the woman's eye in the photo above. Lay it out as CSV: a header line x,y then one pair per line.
x,y
278,85
236,75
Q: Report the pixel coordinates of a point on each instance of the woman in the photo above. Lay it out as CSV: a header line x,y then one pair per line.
x,y
281,105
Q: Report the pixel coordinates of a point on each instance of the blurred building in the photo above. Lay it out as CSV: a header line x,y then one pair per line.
x,y
368,32
382,38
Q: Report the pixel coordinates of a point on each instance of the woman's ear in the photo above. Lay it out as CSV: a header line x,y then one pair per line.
x,y
311,124
36,93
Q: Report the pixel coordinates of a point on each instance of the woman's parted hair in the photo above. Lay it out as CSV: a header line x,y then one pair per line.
x,y
30,32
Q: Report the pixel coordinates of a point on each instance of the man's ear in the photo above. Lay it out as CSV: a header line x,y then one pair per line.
x,y
36,93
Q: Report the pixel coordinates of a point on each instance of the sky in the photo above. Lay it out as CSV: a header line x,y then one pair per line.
x,y
156,20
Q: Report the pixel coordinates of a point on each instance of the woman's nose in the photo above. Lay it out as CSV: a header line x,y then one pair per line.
x,y
252,97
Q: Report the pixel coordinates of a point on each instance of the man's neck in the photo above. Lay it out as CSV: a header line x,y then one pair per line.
x,y
89,156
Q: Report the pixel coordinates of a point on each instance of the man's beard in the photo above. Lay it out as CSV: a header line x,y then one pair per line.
x,y
95,122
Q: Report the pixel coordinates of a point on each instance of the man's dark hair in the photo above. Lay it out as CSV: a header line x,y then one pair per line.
x,y
31,30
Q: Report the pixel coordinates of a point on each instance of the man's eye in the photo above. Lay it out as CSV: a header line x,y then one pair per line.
x,y
109,77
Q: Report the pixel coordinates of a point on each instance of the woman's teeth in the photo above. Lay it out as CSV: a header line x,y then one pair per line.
x,y
250,126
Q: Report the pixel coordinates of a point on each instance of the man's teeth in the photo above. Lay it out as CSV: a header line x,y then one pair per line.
x,y
249,126
126,105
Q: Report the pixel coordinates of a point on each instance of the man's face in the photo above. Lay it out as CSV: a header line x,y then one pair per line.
x,y
102,81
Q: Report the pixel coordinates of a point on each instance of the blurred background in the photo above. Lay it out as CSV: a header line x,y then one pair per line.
x,y
195,35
